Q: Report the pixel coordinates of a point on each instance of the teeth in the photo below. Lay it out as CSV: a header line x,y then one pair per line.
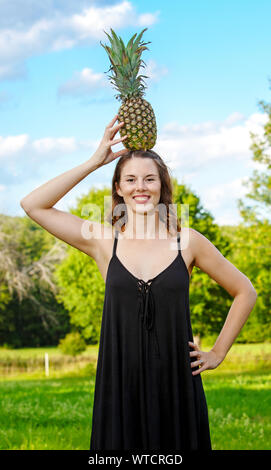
x,y
141,198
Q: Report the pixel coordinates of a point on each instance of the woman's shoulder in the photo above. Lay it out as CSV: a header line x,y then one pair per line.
x,y
193,241
192,237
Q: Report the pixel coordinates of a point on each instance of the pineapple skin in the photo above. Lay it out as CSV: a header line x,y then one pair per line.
x,y
139,124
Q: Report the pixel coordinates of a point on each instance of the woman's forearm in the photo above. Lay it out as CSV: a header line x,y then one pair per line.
x,y
49,193
240,309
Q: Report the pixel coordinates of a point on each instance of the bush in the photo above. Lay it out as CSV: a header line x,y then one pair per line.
x,y
72,344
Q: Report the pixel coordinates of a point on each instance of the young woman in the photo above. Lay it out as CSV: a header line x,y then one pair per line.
x,y
148,392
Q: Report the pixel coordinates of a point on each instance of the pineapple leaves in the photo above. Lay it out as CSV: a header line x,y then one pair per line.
x,y
125,64
129,45
137,41
115,41
109,37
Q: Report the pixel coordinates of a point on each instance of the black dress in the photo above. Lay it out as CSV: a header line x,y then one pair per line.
x,y
146,397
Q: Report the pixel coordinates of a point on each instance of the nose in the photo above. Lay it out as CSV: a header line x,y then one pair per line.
x,y
140,184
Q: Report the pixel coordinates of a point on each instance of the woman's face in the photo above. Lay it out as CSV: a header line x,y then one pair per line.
x,y
140,177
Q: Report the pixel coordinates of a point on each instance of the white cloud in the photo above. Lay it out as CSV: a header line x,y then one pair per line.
x,y
188,147
91,21
63,29
221,198
196,145
84,82
20,145
12,144
148,18
215,195
49,144
234,117
228,217
153,71
255,165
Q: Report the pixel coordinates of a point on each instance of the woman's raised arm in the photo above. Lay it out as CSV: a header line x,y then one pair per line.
x,y
38,204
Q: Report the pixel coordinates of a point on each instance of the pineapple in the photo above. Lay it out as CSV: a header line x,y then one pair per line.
x,y
136,113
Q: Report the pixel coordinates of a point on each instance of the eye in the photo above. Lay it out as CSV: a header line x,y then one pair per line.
x,y
148,179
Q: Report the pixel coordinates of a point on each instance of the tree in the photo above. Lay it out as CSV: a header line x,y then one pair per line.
x,y
254,234
259,184
252,256
29,313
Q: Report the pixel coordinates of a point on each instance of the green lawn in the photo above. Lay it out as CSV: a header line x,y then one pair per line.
x,y
37,412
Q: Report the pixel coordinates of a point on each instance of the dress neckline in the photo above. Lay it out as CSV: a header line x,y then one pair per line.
x,y
153,278
179,255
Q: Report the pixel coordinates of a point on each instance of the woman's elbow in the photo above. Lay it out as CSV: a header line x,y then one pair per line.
x,y
247,290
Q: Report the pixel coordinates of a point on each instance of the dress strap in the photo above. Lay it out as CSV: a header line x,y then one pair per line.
x,y
115,242
178,241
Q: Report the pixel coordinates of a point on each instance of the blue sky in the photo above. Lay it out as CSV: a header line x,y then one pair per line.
x,y
208,65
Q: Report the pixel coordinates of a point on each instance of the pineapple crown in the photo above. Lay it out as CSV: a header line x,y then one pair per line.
x,y
125,64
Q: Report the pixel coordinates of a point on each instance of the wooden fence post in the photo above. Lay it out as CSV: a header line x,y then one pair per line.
x,y
46,364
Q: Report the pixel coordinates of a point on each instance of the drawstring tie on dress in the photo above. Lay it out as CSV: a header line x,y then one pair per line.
x,y
147,310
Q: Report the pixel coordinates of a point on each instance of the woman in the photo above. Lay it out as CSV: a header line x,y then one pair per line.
x,y
148,391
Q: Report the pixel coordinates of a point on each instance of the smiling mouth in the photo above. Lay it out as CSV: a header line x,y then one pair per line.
x,y
141,199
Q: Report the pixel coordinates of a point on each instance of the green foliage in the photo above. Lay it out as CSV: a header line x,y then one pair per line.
x,y
260,182
94,205
81,291
252,256
29,312
72,344
259,185
253,235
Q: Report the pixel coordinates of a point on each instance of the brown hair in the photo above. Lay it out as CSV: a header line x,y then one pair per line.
x,y
166,189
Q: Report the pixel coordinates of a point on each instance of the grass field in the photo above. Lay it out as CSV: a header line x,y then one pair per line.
x,y
54,413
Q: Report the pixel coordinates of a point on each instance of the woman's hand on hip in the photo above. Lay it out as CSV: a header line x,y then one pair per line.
x,y
205,359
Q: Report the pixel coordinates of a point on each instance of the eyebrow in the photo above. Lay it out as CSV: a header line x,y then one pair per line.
x,y
146,175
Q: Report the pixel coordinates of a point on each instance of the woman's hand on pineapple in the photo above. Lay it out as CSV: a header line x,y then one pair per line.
x,y
104,154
